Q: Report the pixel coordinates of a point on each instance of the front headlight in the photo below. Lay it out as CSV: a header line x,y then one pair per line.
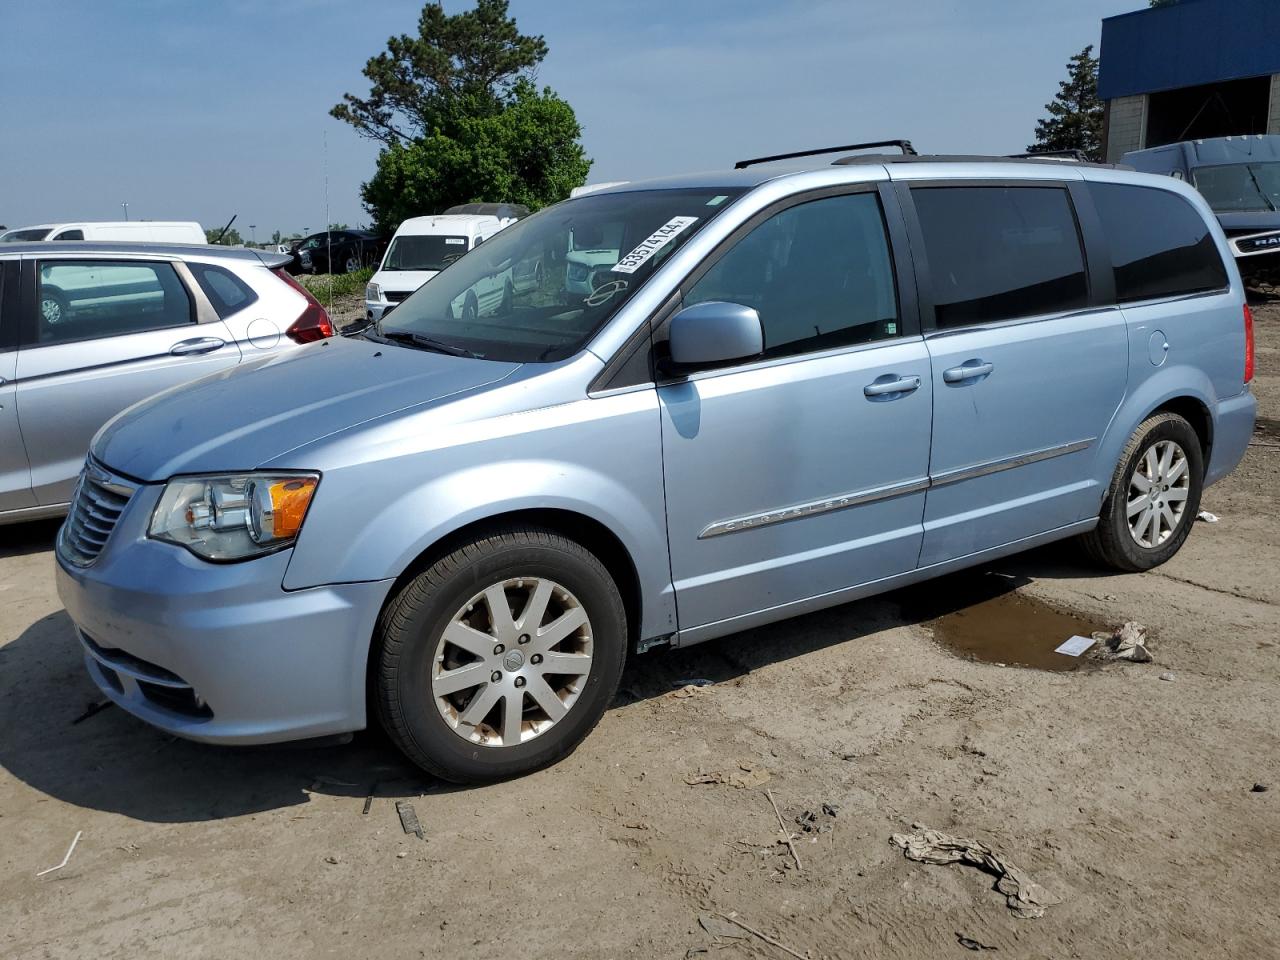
x,y
233,517
373,292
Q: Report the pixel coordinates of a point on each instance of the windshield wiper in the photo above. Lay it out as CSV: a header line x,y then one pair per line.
x,y
1262,193
423,342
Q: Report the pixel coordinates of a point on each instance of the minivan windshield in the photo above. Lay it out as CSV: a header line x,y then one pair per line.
x,y
14,236
538,290
409,252
1240,186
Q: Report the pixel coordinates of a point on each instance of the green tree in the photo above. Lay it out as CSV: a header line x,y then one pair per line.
x,y
461,120
334,227
275,237
230,239
1075,114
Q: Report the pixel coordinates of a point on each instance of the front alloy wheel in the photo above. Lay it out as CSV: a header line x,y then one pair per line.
x,y
501,679
500,657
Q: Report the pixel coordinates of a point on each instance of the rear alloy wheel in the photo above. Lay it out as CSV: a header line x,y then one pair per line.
x,y
53,306
499,658
1153,498
352,264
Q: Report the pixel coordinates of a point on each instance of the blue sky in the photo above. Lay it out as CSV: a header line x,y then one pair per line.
x,y
198,109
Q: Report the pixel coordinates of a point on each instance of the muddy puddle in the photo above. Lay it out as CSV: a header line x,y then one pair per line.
x,y
985,618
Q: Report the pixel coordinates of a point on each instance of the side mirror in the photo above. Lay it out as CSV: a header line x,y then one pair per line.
x,y
715,332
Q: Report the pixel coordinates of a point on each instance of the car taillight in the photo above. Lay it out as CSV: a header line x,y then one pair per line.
x,y
314,324
1248,344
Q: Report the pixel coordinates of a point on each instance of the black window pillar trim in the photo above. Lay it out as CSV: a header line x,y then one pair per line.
x,y
10,303
1097,250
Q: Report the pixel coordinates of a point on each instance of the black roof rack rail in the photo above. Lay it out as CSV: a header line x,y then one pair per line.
x,y
1072,154
904,145
864,158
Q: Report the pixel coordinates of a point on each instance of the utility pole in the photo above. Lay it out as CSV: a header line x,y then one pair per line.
x,y
253,236
126,210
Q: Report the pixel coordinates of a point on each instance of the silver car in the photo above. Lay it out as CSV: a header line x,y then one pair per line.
x,y
88,329
792,388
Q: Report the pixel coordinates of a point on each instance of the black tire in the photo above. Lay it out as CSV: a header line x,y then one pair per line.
x,y
508,299
470,308
414,620
1111,544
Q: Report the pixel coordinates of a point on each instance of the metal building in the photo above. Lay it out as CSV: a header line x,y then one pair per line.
x,y
1198,68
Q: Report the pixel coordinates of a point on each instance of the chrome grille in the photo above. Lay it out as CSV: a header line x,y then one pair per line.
x,y
100,498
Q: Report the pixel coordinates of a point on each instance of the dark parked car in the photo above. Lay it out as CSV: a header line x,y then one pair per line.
x,y
340,251
1240,177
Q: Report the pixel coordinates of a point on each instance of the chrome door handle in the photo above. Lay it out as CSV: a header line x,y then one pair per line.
x,y
969,370
198,345
882,387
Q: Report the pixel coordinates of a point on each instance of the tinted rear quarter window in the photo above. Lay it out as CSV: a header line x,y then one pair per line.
x,y
1160,245
227,292
997,253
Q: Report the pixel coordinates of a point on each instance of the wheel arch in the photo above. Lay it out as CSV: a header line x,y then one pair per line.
x,y
582,529
1183,390
570,524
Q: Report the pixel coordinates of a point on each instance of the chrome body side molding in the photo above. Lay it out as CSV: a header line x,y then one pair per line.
x,y
859,497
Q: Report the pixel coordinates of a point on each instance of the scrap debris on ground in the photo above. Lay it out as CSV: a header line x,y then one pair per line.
x,y
746,774
1129,642
1026,898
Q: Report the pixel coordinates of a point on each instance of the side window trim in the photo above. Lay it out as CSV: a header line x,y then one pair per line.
x,y
653,331
29,323
920,257
901,266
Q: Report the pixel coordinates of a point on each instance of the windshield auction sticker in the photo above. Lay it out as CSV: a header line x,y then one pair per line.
x,y
638,257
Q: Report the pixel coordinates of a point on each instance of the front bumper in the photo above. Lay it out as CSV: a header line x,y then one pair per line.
x,y
219,652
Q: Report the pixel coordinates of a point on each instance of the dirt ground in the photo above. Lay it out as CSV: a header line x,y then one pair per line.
x,y
1126,790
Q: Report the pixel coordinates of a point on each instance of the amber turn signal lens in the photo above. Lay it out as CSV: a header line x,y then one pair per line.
x,y
289,501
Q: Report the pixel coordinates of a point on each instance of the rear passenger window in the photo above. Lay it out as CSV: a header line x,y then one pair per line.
x,y
819,274
1160,245
87,299
996,253
70,235
227,292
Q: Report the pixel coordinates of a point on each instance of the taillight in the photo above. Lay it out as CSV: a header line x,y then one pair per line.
x,y
1248,344
314,324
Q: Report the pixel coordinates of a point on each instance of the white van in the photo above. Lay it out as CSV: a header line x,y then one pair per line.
x,y
423,246
136,231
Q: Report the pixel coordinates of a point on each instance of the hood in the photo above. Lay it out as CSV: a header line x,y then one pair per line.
x,y
398,280
1254,221
257,411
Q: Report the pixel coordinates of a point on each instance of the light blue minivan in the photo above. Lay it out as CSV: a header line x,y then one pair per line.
x,y
800,383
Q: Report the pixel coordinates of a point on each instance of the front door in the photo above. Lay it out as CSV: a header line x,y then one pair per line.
x,y
802,472
100,336
15,476
1027,374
